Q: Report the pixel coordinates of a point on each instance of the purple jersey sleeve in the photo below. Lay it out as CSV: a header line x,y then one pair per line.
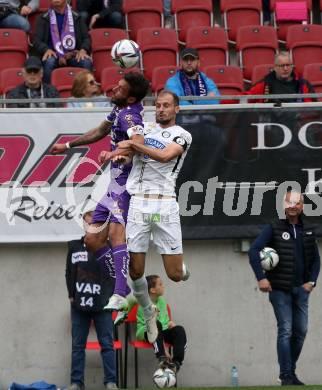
x,y
112,115
129,118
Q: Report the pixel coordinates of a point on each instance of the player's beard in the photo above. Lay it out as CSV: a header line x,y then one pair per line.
x,y
163,122
120,102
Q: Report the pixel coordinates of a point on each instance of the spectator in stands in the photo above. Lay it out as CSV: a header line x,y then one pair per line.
x,y
266,12
282,80
85,86
13,13
101,13
189,81
168,17
62,39
169,332
33,86
88,291
291,282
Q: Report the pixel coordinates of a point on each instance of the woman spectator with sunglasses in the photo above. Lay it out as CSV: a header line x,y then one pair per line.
x,y
85,86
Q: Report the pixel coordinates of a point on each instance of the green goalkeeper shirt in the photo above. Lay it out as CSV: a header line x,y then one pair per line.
x,y
163,317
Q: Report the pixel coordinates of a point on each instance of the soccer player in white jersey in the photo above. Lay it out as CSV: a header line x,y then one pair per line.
x,y
153,206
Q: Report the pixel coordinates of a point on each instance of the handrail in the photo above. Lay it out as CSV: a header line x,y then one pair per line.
x,y
149,99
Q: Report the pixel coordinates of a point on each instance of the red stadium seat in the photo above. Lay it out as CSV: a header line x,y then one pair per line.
x,y
305,44
240,13
159,47
142,13
313,74
160,76
211,43
229,79
111,76
103,40
191,13
283,26
260,71
255,45
9,79
63,78
13,48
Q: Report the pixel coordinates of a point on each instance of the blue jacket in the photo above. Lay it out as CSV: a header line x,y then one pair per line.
x,y
174,84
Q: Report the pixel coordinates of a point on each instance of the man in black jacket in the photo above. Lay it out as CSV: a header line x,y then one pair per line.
x,y
290,283
62,39
88,290
33,87
101,13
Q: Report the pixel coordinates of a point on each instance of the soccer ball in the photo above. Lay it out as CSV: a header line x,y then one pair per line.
x,y
164,378
125,53
269,258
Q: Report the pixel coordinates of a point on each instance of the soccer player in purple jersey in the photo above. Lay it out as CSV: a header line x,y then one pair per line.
x,y
110,215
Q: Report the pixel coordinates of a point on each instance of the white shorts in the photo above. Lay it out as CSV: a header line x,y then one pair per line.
x,y
159,217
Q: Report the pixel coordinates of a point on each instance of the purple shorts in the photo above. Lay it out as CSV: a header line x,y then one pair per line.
x,y
113,207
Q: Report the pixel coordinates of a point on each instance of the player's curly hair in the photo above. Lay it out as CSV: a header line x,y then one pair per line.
x,y
139,85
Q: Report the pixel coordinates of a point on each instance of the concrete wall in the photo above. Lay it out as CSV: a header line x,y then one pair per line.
x,y
228,321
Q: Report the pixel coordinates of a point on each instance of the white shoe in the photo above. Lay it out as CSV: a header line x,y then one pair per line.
x,y
185,272
120,318
116,302
151,326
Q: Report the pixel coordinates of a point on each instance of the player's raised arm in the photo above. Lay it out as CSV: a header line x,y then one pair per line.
x,y
90,137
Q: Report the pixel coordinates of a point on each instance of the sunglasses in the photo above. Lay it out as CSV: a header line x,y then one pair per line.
x,y
32,70
284,65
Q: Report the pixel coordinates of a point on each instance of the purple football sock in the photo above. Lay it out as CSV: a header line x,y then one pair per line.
x,y
121,265
105,258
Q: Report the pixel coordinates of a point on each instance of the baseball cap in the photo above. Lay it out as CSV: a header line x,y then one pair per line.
x,y
33,63
189,52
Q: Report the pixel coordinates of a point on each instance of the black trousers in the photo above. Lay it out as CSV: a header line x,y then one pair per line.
x,y
175,336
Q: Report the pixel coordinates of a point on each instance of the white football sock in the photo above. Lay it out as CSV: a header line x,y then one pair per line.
x,y
141,293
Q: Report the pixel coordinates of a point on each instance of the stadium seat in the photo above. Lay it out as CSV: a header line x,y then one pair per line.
x,y
211,43
111,76
255,45
160,75
229,79
191,13
13,48
313,74
103,40
283,26
305,44
136,344
159,47
142,13
240,13
63,78
117,344
9,79
260,71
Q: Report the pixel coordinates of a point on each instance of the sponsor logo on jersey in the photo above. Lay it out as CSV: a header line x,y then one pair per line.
x,y
154,143
79,256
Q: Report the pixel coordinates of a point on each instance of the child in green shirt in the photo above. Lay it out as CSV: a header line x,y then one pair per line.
x,y
168,331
